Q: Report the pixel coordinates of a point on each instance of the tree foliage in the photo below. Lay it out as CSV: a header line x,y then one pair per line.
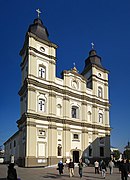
x,y
116,154
127,154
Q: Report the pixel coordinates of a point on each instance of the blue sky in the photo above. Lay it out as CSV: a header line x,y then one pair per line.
x,y
72,25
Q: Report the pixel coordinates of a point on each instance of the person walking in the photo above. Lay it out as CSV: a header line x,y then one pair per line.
x,y
11,174
60,167
111,165
103,169
80,168
71,168
125,169
96,165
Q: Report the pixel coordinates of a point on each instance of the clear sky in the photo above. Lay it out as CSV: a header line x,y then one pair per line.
x,y
72,25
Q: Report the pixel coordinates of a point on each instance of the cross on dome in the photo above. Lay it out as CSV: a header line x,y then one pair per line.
x,y
74,64
38,12
92,45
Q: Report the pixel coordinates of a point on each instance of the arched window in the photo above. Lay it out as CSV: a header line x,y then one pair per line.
x,y
59,150
89,116
41,105
75,112
100,118
42,72
58,109
100,95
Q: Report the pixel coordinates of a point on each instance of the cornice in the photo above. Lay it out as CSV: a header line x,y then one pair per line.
x,y
65,93
59,120
41,53
75,73
97,67
48,43
95,78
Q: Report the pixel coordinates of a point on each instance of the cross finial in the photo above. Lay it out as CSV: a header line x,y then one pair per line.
x,y
74,64
92,45
38,12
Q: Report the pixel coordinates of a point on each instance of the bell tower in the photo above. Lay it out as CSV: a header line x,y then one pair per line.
x,y
97,75
97,81
38,68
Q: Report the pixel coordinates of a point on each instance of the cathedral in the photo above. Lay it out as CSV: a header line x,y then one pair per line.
x,y
60,118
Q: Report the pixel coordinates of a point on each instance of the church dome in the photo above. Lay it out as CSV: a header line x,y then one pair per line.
x,y
39,29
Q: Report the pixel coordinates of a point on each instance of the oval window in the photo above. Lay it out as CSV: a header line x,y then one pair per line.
x,y
42,49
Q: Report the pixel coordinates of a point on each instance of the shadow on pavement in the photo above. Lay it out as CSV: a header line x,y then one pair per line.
x,y
3,179
93,177
55,176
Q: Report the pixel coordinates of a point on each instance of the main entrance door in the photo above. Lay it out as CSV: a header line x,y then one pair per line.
x,y
75,156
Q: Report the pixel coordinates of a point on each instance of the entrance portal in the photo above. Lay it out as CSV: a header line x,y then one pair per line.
x,y
75,156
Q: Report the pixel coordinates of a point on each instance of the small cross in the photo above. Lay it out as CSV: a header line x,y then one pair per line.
x,y
92,45
42,72
38,12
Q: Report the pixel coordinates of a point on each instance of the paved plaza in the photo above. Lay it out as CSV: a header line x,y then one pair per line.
x,y
50,173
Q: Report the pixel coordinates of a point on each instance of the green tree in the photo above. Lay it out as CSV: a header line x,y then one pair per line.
x,y
116,154
127,154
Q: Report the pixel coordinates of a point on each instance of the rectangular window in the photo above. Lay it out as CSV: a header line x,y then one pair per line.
x,y
102,151
75,136
14,143
90,151
10,145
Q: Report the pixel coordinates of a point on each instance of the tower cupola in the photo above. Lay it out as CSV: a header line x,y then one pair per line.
x,y
38,29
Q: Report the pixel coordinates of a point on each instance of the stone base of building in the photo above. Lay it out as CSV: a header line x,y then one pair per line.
x,y
37,162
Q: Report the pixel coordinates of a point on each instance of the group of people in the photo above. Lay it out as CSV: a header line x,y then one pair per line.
x,y
70,166
101,166
124,168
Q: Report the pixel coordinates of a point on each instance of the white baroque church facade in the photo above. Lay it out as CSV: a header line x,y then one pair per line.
x,y
61,118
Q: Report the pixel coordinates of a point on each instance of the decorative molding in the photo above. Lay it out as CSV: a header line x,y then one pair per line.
x,y
48,43
41,53
60,120
32,54
68,93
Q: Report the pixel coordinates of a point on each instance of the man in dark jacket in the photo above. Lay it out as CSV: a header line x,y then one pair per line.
x,y
103,169
71,168
60,167
125,169
12,174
